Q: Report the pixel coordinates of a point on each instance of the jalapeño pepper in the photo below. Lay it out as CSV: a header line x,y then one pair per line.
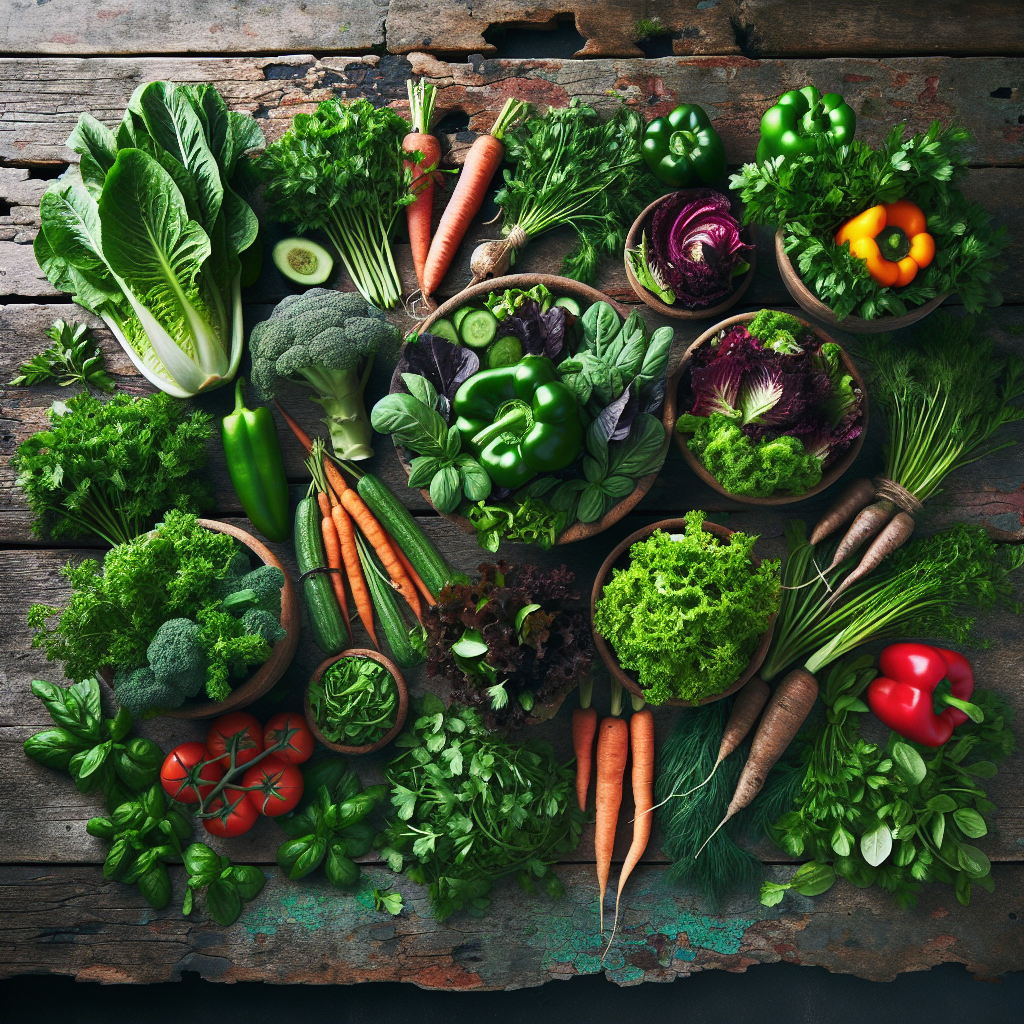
x,y
256,467
683,150
519,420
792,126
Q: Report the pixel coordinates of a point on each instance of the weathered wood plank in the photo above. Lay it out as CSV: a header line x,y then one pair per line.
x,y
41,98
68,920
202,26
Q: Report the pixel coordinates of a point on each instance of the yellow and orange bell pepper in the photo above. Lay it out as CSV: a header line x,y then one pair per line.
x,y
892,239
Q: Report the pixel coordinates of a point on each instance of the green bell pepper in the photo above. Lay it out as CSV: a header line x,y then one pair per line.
x,y
519,421
683,150
257,470
792,126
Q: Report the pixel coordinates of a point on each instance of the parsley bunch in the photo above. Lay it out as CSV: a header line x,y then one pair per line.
x,y
813,195
470,807
73,358
108,469
885,815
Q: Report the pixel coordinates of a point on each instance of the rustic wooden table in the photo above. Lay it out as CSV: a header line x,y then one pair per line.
x,y
732,56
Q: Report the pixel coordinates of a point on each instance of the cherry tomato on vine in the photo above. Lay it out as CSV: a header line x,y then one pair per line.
x,y
180,773
280,785
240,728
300,739
237,815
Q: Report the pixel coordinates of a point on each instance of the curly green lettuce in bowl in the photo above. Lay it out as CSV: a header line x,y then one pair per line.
x,y
683,611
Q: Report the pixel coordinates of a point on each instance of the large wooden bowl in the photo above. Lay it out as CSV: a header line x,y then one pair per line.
x,y
619,559
829,477
403,702
642,224
261,681
814,307
558,286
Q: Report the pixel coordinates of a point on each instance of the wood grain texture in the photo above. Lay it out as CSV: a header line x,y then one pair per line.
x,y
190,26
68,920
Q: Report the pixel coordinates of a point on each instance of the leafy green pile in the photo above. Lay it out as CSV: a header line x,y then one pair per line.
x,y
470,808
170,613
572,169
355,701
108,469
340,170
687,613
148,233
73,358
923,590
886,816
811,196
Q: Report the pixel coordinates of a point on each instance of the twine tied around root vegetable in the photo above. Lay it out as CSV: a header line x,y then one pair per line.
x,y
889,490
493,258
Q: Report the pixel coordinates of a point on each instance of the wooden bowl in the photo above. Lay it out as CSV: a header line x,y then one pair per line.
x,y
559,286
619,559
281,656
403,702
829,477
643,223
814,307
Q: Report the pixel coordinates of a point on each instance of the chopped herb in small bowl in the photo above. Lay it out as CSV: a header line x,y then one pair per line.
x,y
356,702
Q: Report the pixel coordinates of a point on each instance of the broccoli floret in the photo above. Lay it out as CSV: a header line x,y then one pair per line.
x,y
178,659
777,331
138,691
238,566
230,648
327,340
260,588
262,623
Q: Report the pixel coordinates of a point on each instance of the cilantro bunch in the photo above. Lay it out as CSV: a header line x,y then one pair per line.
x,y
811,196
109,469
687,612
471,807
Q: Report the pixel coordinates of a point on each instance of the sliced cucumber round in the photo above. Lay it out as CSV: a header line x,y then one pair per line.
x,y
479,328
460,314
444,329
504,352
568,303
303,261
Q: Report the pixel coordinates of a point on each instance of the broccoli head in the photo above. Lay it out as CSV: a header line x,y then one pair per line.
x,y
258,622
178,659
138,691
231,648
260,588
326,340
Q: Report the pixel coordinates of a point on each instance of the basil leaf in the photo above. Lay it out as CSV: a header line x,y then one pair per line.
x,y
876,845
412,424
54,747
618,486
421,389
597,444
423,468
248,880
94,760
593,470
567,494
812,879
592,504
223,902
973,861
444,489
941,803
453,444
970,822
643,451
476,484
200,860
910,763
600,325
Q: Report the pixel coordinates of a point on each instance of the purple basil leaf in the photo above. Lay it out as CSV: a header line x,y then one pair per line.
x,y
616,419
445,365
541,334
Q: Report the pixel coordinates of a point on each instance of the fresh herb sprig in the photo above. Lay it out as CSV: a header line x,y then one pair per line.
x,y
73,358
470,808
812,195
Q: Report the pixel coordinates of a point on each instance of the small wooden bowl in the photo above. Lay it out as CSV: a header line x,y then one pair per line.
x,y
829,477
261,681
643,223
619,559
403,702
814,307
559,286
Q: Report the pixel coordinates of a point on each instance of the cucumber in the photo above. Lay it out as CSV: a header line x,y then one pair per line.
x,y
303,261
444,329
567,302
325,620
460,314
479,328
395,518
504,352
388,606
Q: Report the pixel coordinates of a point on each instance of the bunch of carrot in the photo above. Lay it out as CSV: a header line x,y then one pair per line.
x,y
344,512
432,257
615,741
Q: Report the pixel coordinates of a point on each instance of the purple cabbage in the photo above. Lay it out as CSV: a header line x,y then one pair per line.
x,y
695,244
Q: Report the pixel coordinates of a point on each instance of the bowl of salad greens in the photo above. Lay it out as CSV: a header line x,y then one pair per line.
x,y
767,409
356,702
178,621
683,611
527,407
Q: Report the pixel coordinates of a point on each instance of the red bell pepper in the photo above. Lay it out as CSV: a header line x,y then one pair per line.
x,y
902,696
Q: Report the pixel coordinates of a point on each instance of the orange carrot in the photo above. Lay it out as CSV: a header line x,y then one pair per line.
x,y
360,594
331,471
584,726
612,751
410,570
332,548
418,213
641,733
482,160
